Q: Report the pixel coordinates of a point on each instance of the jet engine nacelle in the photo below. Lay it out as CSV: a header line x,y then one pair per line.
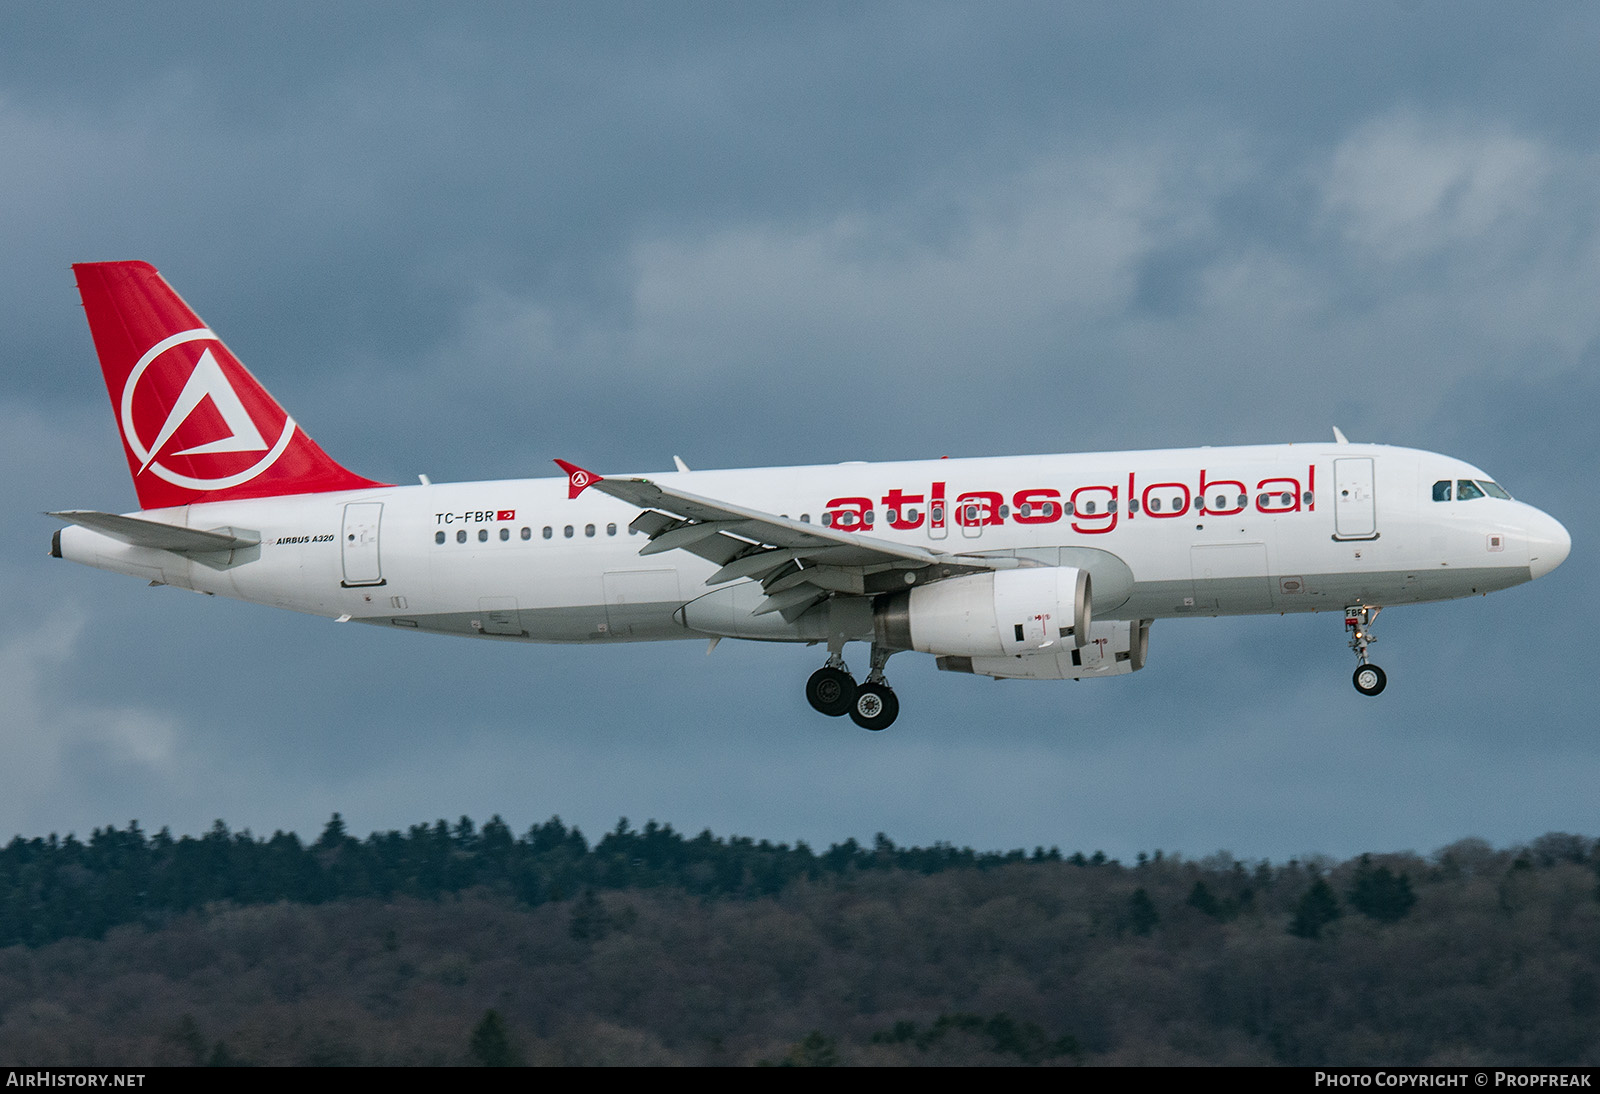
x,y
1113,649
999,614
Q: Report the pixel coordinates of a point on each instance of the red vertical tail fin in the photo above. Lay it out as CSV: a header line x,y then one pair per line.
x,y
196,426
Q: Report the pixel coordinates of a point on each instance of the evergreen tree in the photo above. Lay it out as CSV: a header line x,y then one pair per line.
x,y
333,834
1318,908
1379,894
1201,900
1142,914
491,1043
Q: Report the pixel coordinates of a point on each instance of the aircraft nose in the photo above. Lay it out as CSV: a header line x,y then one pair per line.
x,y
1548,544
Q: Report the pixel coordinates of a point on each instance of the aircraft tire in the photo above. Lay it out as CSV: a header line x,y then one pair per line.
x,y
875,707
1369,679
831,691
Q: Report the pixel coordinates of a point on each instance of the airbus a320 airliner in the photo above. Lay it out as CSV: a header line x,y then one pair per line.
x,y
1032,567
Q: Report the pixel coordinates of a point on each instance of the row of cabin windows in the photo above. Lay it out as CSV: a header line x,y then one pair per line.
x,y
526,533
972,512
1469,489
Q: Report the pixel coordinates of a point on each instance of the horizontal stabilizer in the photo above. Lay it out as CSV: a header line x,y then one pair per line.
x,y
139,532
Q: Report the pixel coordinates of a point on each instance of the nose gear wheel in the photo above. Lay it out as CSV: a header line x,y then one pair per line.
x,y
1369,679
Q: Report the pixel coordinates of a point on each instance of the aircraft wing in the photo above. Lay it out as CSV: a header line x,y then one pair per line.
x,y
797,563
152,533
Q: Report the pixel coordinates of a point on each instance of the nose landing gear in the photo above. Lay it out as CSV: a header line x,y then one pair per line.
x,y
1369,679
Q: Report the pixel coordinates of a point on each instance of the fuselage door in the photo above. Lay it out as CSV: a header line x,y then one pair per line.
x,y
359,542
1354,502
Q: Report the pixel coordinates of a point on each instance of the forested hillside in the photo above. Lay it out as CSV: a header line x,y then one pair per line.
x,y
460,944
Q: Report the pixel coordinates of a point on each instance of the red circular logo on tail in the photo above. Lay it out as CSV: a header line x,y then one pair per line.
x,y
203,409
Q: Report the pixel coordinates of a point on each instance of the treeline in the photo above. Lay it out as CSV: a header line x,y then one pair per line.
x,y
53,888
650,947
458,944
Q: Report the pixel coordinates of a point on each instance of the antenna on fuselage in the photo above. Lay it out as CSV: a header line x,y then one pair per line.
x,y
1339,437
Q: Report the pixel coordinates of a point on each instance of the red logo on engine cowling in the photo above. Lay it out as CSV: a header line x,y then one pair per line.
x,y
194,417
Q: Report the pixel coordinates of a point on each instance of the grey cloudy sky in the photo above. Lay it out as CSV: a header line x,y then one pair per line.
x,y
464,242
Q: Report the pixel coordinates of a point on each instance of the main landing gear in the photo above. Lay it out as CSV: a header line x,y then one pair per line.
x,y
870,704
1369,679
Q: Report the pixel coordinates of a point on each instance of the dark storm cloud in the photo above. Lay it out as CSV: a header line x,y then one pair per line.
x,y
465,242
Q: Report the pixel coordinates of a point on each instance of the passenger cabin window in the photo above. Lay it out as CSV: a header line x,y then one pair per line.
x,y
611,529
438,537
483,535
1467,490
1441,490
548,531
588,530
567,531
527,533
505,534
461,536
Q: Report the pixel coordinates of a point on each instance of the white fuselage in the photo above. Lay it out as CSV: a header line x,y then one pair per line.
x,y
1320,527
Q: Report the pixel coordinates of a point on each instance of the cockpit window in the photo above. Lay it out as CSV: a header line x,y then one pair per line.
x,y
1466,490
1494,489
1441,490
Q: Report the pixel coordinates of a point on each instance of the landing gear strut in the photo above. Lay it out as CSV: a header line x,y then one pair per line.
x,y
875,707
1369,679
834,692
831,689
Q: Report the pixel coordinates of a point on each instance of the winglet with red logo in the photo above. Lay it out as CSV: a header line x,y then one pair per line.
x,y
196,426
578,480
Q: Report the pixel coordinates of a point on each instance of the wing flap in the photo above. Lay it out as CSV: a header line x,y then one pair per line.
x,y
757,563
